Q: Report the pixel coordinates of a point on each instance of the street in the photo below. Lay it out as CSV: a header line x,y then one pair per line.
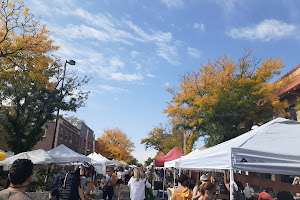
x,y
124,195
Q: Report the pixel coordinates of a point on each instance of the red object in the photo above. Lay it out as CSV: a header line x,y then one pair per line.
x,y
171,155
265,196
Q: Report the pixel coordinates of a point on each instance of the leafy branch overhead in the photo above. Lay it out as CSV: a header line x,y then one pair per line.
x,y
31,77
221,100
116,144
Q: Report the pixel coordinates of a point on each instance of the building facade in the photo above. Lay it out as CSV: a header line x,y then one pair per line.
x,y
66,134
291,93
86,140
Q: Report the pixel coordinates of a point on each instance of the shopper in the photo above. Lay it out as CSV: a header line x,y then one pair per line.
x,y
120,182
137,185
20,175
208,191
110,181
197,190
264,195
182,192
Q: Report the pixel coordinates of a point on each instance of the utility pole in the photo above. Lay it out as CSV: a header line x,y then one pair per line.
x,y
184,142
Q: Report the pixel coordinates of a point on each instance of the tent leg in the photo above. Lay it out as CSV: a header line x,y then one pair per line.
x,y
174,177
163,195
231,184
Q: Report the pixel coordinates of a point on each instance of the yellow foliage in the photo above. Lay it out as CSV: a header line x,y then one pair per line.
x,y
246,83
116,144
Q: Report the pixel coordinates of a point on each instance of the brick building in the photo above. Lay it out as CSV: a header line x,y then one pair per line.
x,y
291,92
86,138
66,134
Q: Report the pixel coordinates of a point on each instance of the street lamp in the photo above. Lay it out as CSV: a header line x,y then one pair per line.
x,y
70,62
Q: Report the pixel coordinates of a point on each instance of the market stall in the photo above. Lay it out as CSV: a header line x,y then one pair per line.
x,y
267,148
39,156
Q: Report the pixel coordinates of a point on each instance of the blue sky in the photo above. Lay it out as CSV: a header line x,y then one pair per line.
x,y
134,50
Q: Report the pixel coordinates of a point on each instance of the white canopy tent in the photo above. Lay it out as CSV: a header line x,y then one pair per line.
x,y
124,163
116,163
98,158
278,137
65,155
175,163
39,156
272,147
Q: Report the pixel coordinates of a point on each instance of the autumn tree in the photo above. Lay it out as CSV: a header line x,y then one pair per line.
x,y
225,98
31,77
116,144
149,161
164,138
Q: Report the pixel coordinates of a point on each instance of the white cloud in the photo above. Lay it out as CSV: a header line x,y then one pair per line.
x,y
193,52
266,30
229,6
169,53
157,36
173,3
138,66
111,88
108,29
167,84
150,75
134,54
126,77
115,63
200,27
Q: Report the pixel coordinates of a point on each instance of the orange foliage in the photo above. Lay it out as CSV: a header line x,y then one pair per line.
x,y
116,145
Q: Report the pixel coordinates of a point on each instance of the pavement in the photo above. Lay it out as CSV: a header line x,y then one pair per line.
x,y
125,195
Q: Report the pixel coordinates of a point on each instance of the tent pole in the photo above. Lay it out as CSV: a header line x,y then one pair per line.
x,y
163,196
231,184
231,180
174,177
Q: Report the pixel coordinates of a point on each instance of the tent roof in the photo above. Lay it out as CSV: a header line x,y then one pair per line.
x,y
171,155
39,156
279,136
99,158
64,154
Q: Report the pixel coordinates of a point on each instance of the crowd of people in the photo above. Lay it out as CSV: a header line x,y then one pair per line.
x,y
78,184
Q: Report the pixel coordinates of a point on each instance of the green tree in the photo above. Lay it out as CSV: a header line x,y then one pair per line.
x,y
225,98
133,161
149,161
163,139
31,78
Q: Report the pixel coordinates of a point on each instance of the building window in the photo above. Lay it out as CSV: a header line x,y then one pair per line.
x,y
292,111
66,136
45,130
61,133
70,137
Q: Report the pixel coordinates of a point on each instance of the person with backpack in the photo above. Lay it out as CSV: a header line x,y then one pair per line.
x,y
110,181
55,183
70,187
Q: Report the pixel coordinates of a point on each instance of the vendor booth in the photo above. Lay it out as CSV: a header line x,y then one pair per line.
x,y
98,158
272,148
171,155
39,156
65,155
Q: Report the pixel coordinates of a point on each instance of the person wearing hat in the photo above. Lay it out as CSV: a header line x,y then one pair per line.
x,y
204,179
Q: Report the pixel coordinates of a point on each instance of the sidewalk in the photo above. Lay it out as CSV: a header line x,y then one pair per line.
x,y
124,195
